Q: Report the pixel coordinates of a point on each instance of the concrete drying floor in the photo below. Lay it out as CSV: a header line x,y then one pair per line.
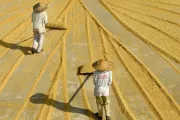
x,y
140,37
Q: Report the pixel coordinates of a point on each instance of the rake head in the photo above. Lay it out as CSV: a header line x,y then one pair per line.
x,y
86,69
56,26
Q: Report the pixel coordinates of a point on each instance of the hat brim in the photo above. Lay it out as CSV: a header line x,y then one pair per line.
x,y
99,67
40,8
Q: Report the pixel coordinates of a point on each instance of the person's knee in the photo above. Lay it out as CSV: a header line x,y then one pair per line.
x,y
99,101
106,100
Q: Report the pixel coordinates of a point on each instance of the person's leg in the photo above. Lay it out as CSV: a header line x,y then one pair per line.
x,y
36,40
106,103
41,40
99,103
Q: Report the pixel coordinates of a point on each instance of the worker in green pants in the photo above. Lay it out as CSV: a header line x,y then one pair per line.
x,y
102,79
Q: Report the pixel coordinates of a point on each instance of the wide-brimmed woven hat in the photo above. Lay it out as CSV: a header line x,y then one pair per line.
x,y
103,65
39,7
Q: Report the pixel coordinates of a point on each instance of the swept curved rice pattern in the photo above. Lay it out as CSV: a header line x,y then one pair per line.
x,y
20,28
171,30
16,7
120,99
168,61
38,79
13,68
173,18
42,115
159,42
156,7
118,6
166,3
161,102
152,83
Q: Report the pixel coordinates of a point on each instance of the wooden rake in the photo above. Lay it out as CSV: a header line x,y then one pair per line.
x,y
56,26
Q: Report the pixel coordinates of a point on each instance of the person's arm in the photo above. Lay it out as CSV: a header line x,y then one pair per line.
x,y
32,16
94,78
110,78
45,18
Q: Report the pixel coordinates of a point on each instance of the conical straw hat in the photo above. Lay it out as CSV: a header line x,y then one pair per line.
x,y
103,65
39,7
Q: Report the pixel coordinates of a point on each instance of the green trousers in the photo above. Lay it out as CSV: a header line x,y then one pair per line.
x,y
103,102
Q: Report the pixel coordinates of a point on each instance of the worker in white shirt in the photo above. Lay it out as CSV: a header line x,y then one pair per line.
x,y
39,20
102,79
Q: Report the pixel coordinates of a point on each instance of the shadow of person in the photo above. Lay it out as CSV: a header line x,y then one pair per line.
x,y
25,40
40,98
25,50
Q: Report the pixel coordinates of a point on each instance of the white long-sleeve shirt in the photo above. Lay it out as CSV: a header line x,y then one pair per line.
x,y
39,20
102,81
